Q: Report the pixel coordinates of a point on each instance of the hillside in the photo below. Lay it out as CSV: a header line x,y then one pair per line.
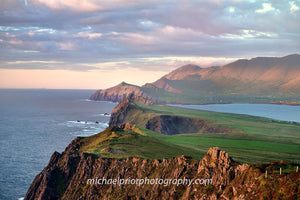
x,y
118,93
257,76
246,138
128,141
261,80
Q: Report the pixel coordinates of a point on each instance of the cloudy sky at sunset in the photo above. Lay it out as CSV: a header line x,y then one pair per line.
x,y
98,43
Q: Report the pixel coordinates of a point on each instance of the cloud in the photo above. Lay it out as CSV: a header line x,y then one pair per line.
x,y
134,39
88,35
231,9
77,5
250,34
293,7
92,5
82,33
67,46
15,42
46,65
33,62
266,7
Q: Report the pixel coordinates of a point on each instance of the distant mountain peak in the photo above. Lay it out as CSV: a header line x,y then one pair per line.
x,y
268,62
188,67
123,83
182,71
292,56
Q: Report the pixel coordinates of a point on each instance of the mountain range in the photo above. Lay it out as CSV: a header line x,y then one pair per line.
x,y
257,80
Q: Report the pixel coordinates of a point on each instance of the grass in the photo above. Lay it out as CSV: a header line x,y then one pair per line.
x,y
256,139
117,143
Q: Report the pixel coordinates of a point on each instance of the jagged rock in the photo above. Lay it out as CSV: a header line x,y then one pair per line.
x,y
214,152
119,92
127,126
119,113
218,166
66,175
74,169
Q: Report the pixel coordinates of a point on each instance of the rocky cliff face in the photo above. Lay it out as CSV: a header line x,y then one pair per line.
x,y
125,112
172,125
66,177
118,93
120,112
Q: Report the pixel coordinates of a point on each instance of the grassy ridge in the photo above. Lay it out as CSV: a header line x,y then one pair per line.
x,y
259,140
118,143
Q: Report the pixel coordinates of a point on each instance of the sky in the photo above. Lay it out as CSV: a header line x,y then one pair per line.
x,y
93,44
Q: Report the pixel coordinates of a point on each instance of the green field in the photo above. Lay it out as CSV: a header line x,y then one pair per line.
x,y
254,139
250,139
118,143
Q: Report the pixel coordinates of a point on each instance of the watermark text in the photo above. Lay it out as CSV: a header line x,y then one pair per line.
x,y
149,181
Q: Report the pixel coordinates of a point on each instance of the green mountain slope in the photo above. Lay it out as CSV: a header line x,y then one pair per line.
x,y
247,138
129,141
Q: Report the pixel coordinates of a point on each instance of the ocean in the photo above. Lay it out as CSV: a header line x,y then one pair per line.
x,y
35,123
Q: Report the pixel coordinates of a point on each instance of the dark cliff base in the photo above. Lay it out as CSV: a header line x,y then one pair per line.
x,y
172,125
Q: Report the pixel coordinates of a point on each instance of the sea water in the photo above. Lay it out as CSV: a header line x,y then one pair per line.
x,y
274,111
34,124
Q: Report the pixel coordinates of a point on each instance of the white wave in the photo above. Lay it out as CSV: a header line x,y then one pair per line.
x,y
106,102
22,198
85,100
85,125
103,114
99,101
87,134
83,122
85,128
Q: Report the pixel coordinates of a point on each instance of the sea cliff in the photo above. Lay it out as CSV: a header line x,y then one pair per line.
x,y
66,176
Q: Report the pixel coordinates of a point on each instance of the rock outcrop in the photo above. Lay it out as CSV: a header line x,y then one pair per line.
x,y
126,111
119,92
172,125
66,177
225,169
119,113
